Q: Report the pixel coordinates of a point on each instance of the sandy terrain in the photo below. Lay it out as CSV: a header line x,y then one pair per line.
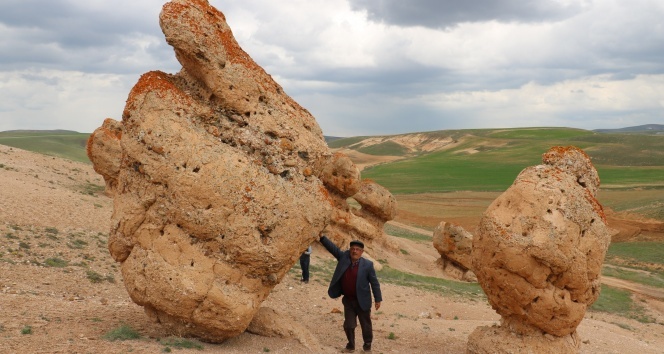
x,y
51,215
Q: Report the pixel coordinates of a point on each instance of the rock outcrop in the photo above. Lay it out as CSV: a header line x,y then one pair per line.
x,y
538,255
455,245
220,181
377,206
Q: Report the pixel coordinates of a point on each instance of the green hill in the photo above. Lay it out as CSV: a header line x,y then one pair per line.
x,y
490,159
60,143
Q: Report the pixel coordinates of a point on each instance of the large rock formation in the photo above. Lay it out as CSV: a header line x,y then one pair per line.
x,y
220,181
538,255
455,245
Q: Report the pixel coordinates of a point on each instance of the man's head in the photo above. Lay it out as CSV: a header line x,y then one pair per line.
x,y
356,250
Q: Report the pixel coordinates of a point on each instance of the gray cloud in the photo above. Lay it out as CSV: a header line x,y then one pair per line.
x,y
361,67
81,36
448,13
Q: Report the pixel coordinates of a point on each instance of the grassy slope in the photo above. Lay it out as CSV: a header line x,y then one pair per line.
x,y
61,143
622,160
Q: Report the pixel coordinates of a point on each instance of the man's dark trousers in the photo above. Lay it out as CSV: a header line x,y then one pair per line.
x,y
304,264
352,311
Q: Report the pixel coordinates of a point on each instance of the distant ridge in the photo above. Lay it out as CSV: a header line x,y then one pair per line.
x,y
331,138
646,128
29,131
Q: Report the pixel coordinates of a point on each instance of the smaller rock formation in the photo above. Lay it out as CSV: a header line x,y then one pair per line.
x,y
377,206
538,255
104,150
454,244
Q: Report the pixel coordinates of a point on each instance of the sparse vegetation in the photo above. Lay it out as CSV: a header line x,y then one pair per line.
x,y
77,244
27,329
95,277
637,276
56,262
637,252
123,332
391,336
403,233
91,189
620,302
439,285
176,342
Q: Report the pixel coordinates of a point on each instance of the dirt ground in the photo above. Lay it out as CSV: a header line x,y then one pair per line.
x,y
61,292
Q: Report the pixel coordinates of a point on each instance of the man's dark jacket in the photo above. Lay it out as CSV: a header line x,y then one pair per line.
x,y
366,275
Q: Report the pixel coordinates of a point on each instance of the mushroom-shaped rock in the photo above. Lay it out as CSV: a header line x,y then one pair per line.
x,y
539,251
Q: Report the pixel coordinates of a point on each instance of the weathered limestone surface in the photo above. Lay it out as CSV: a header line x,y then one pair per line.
x,y
539,251
455,245
104,150
377,206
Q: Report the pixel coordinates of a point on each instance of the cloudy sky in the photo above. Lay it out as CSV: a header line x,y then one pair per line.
x,y
361,67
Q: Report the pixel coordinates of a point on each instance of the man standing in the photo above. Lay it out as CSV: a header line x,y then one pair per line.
x,y
305,259
352,278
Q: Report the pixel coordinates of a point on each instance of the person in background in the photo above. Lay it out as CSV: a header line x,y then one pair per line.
x,y
305,258
355,279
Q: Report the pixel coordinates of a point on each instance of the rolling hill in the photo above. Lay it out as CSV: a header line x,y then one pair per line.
x,y
489,159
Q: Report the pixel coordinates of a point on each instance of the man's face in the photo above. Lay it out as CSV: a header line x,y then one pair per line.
x,y
355,253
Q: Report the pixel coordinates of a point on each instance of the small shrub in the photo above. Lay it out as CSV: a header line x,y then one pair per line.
x,y
24,245
26,330
51,230
266,350
623,326
403,251
94,277
181,343
123,332
11,236
77,244
56,262
391,336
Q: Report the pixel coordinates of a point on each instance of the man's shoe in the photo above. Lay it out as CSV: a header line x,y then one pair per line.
x,y
348,349
366,347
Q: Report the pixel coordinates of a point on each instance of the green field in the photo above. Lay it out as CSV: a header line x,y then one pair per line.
x,y
60,143
490,160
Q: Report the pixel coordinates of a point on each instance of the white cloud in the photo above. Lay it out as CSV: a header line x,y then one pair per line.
x,y
51,99
360,71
